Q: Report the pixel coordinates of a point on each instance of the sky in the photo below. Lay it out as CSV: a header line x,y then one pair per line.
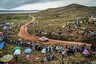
x,y
40,4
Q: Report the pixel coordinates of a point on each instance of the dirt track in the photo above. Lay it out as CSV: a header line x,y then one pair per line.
x,y
23,33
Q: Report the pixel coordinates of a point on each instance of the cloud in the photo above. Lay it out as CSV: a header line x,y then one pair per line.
x,y
16,3
41,4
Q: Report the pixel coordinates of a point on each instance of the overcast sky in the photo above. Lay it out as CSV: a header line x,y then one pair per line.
x,y
40,4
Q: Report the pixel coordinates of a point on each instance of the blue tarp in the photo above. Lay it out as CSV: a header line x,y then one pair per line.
x,y
28,50
1,45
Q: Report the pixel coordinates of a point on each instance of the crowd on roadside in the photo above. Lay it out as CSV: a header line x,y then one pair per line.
x,y
50,52
64,32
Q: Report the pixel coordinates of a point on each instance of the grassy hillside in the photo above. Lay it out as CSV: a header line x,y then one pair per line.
x,y
52,20
16,19
67,13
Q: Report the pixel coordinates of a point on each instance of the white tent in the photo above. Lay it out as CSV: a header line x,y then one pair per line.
x,y
17,52
85,52
5,28
43,50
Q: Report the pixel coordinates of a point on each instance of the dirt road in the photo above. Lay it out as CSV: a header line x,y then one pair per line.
x,y
23,33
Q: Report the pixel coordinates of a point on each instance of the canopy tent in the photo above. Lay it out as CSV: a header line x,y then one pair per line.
x,y
85,52
17,52
5,28
43,50
28,50
6,58
16,48
2,45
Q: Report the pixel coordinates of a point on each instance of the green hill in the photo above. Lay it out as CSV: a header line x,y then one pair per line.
x,y
51,20
67,12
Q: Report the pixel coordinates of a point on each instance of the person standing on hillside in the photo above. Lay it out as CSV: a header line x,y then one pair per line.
x,y
53,57
63,53
48,58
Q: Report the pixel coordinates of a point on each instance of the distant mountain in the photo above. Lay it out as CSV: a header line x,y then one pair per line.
x,y
72,11
75,6
18,11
